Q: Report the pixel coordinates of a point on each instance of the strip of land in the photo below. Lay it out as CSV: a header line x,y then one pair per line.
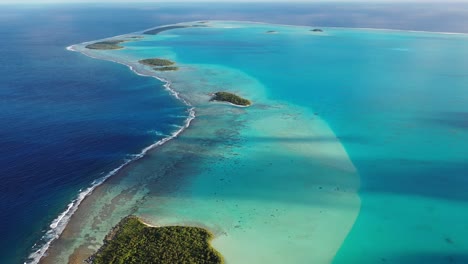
x,y
111,44
106,45
161,29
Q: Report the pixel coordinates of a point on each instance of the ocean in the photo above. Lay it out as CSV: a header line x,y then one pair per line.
x,y
68,120
378,113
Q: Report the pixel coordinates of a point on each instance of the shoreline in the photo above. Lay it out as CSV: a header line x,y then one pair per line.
x,y
167,85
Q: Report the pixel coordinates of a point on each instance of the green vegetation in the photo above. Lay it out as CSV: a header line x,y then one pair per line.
x,y
111,44
132,242
166,68
231,98
161,64
316,30
106,45
271,31
157,62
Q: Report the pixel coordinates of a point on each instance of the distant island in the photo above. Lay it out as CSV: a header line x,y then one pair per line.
x,y
132,241
161,29
106,45
112,44
316,30
160,64
271,32
230,98
157,62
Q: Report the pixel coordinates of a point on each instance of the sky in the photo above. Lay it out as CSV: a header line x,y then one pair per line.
x,y
234,1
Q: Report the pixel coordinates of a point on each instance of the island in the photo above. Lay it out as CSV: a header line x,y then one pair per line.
x,y
230,98
161,64
132,241
106,45
316,30
112,44
271,32
157,62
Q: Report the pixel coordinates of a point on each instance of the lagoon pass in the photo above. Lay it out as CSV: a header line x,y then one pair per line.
x,y
354,149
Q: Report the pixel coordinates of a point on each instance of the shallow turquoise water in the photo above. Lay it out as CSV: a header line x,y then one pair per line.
x,y
395,100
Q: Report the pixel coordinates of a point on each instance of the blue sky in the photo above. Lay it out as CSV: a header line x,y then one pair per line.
x,y
235,1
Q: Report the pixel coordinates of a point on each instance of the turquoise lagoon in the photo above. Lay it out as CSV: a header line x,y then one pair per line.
x,y
355,149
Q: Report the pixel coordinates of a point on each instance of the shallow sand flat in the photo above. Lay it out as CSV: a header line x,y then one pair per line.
x,y
285,193
271,181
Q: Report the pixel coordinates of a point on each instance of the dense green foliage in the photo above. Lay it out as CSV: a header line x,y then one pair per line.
x,y
316,30
231,98
157,62
166,68
106,45
162,64
132,242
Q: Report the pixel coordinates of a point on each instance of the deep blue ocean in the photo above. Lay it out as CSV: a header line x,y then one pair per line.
x,y
67,120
